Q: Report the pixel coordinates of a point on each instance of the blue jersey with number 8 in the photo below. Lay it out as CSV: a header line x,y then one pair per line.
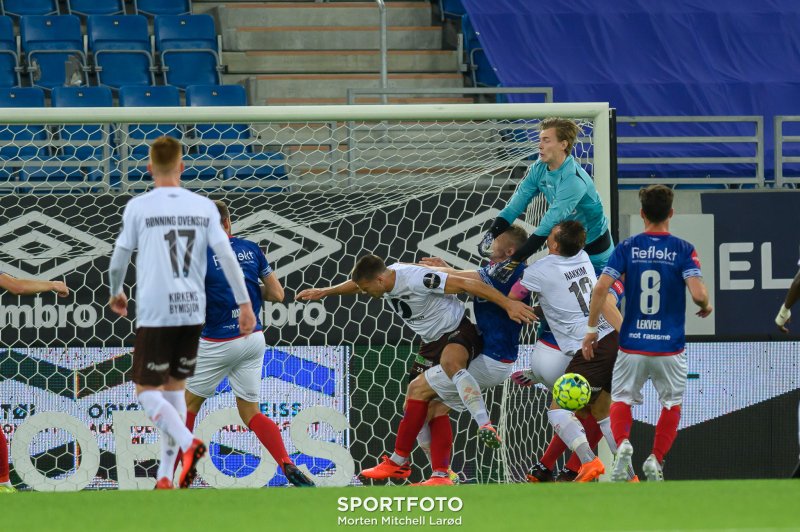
x,y
655,267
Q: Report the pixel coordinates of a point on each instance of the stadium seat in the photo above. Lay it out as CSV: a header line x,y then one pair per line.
x,y
483,74
121,48
21,8
49,42
9,60
133,159
163,7
216,142
16,149
84,151
189,50
451,9
96,7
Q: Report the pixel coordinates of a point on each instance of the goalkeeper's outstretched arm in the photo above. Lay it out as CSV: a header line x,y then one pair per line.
x,y
343,289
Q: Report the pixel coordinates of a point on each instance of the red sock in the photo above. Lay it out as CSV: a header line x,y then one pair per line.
x,y
410,425
621,421
190,417
270,436
666,431
441,443
3,456
593,436
553,452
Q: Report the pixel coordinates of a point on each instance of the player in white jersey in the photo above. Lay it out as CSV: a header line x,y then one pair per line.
x,y
171,228
563,281
425,300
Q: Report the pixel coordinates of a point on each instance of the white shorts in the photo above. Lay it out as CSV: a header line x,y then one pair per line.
x,y
548,364
631,372
486,371
241,360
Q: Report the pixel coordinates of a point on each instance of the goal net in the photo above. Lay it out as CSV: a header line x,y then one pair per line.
x,y
316,187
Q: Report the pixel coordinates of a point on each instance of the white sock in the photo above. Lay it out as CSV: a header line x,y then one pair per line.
x,y
397,459
7,483
571,432
165,417
605,426
470,393
424,440
169,447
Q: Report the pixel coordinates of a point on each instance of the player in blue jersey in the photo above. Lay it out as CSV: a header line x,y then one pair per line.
x,y
492,367
656,266
224,352
570,195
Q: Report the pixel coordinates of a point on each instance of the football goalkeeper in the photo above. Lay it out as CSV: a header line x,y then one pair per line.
x,y
570,194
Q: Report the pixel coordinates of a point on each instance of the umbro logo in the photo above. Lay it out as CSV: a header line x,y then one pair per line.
x,y
289,246
38,245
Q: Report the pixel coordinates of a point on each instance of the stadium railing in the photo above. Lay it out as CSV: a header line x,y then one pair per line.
x,y
787,150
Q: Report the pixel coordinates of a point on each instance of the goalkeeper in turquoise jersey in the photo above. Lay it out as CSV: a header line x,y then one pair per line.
x,y
570,195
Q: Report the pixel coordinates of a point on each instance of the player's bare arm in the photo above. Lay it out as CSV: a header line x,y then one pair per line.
x,y
272,289
611,313
439,265
29,287
596,306
785,312
314,294
517,310
699,293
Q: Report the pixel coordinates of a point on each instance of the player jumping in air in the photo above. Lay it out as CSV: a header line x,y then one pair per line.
x,y
171,227
656,267
226,352
22,287
563,281
570,194
425,300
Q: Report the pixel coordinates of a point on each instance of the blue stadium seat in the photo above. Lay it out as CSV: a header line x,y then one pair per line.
x,y
84,151
16,149
451,9
483,74
121,48
163,7
49,41
21,8
134,161
243,161
9,60
189,50
96,7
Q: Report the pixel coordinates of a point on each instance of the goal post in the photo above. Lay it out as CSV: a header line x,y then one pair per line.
x,y
316,187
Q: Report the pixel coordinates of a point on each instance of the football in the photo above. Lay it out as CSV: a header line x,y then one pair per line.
x,y
572,391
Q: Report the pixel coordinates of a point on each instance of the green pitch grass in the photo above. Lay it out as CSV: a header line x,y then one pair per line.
x,y
703,505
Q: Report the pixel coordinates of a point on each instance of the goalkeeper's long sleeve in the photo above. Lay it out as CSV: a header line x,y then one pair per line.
x,y
526,191
530,247
116,270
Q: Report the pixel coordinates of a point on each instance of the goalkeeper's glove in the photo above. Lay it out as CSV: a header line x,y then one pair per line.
x,y
783,316
485,245
501,272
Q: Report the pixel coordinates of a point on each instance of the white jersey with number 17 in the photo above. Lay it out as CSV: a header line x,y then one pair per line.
x,y
418,297
172,228
564,285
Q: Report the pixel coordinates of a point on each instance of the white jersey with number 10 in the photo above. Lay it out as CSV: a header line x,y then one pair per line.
x,y
171,227
564,285
418,297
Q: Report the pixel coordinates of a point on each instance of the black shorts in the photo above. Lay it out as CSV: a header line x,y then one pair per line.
x,y
600,369
430,353
163,352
